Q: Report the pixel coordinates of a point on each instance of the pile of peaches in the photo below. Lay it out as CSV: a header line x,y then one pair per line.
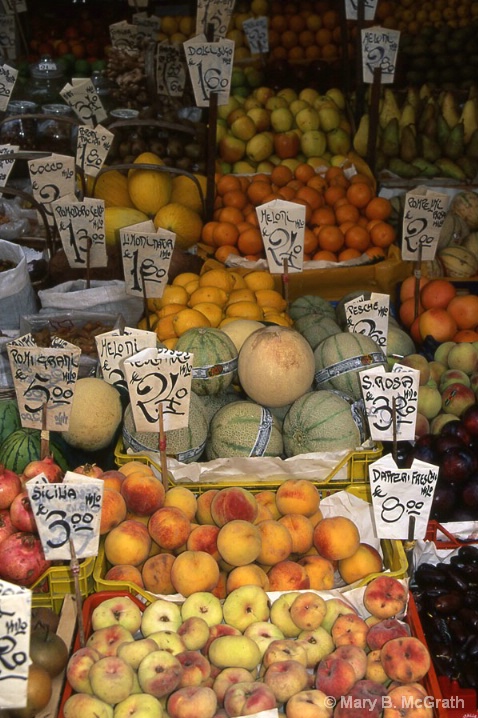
x,y
173,541
309,654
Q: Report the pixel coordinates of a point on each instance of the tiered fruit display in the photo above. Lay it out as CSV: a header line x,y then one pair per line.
x,y
411,16
424,134
249,655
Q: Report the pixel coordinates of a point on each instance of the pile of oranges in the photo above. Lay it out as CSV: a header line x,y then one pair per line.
x,y
344,216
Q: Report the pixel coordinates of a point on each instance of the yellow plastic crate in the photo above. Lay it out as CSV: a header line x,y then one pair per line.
x,y
355,465
57,582
394,558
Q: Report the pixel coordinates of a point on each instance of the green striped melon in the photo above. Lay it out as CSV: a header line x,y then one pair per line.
x,y
465,205
244,429
340,315
340,358
310,304
23,446
213,402
471,243
9,418
458,262
214,359
315,328
318,422
185,445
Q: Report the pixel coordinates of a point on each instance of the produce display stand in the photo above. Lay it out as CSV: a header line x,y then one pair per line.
x,y
57,583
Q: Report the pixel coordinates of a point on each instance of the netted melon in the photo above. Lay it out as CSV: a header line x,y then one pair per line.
x,y
244,429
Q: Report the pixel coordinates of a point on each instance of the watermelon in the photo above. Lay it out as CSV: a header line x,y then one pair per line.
x,y
244,428
185,445
340,358
310,304
214,359
9,418
23,446
316,327
320,421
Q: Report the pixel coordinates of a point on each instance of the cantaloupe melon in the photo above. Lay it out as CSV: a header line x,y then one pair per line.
x,y
239,329
310,304
276,366
243,428
340,358
185,445
320,421
214,359
316,327
458,262
96,414
399,344
213,402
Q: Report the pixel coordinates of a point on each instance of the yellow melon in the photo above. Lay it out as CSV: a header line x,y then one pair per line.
x,y
118,217
112,187
183,221
185,191
149,189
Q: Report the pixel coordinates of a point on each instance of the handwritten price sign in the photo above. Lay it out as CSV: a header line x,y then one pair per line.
x,y
257,35
8,77
400,494
282,226
113,348
146,254
379,49
52,178
423,217
68,511
170,69
92,147
6,165
370,317
85,101
387,392
351,9
81,226
15,617
215,14
210,69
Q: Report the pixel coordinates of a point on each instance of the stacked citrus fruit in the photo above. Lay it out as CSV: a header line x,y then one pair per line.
x,y
344,216
212,299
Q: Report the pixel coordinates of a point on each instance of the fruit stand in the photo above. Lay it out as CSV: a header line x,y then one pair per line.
x,y
291,265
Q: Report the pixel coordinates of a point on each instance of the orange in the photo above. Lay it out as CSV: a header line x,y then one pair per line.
x,y
304,172
334,173
465,335
222,253
296,53
296,23
437,293
310,241
464,309
306,38
308,208
317,182
278,53
207,232
278,23
323,37
295,184
250,241
349,253
323,215
227,183
375,253
281,174
359,194
360,177
274,39
330,51
252,219
323,255
289,39
346,213
230,214
378,208
235,198
330,19
311,196
357,237
258,191
225,233
286,193
312,52
331,238
382,234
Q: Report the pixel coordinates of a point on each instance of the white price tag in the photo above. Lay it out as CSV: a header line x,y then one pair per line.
x,y
351,9
146,253
215,14
15,619
114,347
51,178
257,36
386,392
379,49
81,226
92,147
282,226
210,69
423,216
370,317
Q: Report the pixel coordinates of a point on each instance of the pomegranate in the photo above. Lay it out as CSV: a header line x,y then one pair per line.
x,y
6,526
89,470
46,466
22,560
21,513
10,486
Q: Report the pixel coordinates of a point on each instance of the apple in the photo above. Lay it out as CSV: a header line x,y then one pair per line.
x,y
385,597
313,143
248,699
106,641
334,607
202,604
335,676
318,643
245,605
259,147
161,615
263,633
195,632
286,144
120,610
405,659
307,119
159,673
196,668
234,651
243,127
285,678
281,119
133,652
138,705
78,669
260,117
280,614
169,641
308,610
284,649
81,705
227,678
309,704
350,629
111,679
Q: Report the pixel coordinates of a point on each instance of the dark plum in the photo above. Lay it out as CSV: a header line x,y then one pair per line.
x,y
457,464
469,420
445,442
444,500
469,492
457,428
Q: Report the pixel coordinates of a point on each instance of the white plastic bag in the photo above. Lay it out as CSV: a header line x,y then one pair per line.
x,y
17,296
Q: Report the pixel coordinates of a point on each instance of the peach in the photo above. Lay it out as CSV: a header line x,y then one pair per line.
x,y
220,629
203,506
112,479
411,695
156,573
315,518
384,631
318,643
182,498
297,496
136,517
438,324
159,674
204,538
364,561
276,542
106,641
456,399
250,574
375,670
420,363
320,572
385,597
169,527
301,530
366,698
227,678
194,571
284,649
219,589
125,573
405,659
133,466
356,656
191,701
129,542
336,537
263,514
334,676
196,668
143,493
309,704
239,542
194,632
308,610
267,498
350,628
78,668
113,510
233,503
288,576
285,679
248,698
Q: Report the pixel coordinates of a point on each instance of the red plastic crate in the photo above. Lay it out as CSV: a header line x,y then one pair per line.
x,y
467,705
451,542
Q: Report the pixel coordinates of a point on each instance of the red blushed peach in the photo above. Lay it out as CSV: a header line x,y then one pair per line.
x,y
182,498
288,576
363,562
263,514
220,589
233,503
156,573
129,542
350,629
320,572
315,518
276,542
169,527
301,531
267,498
204,538
227,678
239,542
356,656
194,571
203,506
384,631
251,574
113,510
297,496
406,659
385,597
334,676
196,668
410,694
191,701
336,537
143,494
220,629
125,573
112,479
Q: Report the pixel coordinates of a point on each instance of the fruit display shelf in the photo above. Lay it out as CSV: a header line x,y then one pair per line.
x,y
57,582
